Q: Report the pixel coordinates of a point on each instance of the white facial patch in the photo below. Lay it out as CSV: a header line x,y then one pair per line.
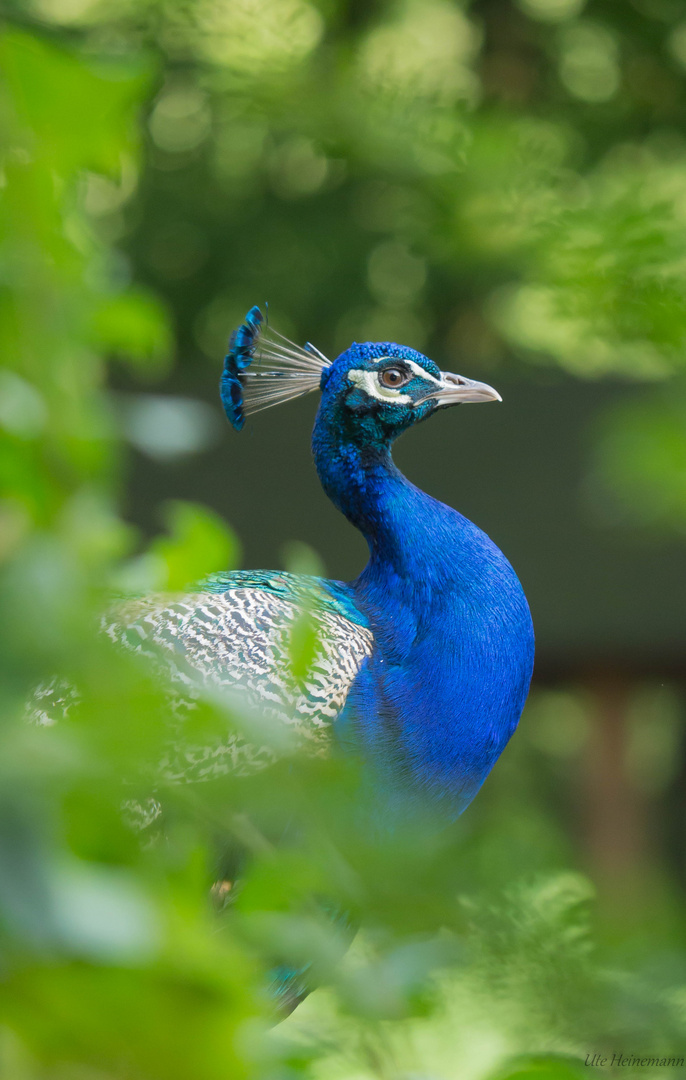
x,y
369,382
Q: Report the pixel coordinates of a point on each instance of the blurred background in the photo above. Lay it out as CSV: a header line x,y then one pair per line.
x,y
500,184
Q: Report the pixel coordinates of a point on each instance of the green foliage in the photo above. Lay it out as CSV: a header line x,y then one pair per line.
x,y
355,161
199,543
132,325
546,1067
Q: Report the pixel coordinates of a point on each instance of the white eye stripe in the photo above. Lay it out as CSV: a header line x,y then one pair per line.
x,y
367,381
415,368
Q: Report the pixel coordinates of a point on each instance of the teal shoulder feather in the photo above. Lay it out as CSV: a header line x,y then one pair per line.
x,y
320,594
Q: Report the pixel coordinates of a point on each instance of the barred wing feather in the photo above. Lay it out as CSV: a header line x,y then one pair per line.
x,y
235,635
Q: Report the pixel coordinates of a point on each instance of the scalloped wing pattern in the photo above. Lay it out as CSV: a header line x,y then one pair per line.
x,y
238,640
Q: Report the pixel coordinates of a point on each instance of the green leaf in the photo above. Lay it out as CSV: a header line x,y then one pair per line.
x,y
303,642
199,544
541,1067
134,326
81,117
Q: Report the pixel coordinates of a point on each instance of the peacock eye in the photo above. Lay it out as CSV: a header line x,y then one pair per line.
x,y
393,377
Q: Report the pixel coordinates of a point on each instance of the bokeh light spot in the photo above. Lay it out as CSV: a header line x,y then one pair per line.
x,y
424,53
589,66
552,10
395,275
181,119
298,168
258,38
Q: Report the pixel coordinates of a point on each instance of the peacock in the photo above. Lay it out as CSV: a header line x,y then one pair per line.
x,y
424,660
422,663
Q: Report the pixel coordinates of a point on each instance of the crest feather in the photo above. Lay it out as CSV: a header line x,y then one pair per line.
x,y
263,368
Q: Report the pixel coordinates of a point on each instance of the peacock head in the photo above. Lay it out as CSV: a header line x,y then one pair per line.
x,y
380,389
373,391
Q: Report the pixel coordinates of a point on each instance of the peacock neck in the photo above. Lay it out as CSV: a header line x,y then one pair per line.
x,y
453,654
415,542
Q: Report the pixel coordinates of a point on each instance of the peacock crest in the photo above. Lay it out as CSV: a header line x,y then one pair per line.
x,y
263,368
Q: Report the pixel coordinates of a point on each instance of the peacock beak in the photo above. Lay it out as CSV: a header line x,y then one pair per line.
x,y
455,389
